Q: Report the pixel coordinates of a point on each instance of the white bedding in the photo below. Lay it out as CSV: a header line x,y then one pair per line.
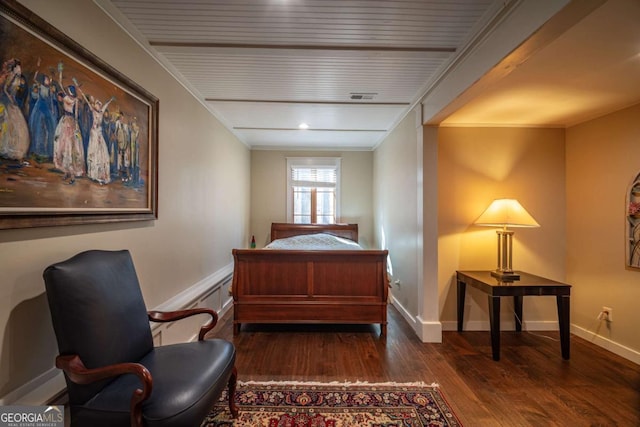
x,y
319,241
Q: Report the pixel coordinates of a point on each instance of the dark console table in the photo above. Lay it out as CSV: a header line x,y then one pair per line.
x,y
527,285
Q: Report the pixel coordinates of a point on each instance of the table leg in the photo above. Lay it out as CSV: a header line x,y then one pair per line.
x,y
564,323
494,325
462,288
517,308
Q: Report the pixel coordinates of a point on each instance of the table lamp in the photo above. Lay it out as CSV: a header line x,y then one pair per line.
x,y
505,213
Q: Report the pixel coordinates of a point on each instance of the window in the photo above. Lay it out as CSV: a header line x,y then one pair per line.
x,y
313,190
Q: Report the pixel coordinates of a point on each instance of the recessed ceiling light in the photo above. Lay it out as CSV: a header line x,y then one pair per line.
x,y
303,126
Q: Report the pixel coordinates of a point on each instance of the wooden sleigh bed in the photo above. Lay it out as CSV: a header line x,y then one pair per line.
x,y
310,286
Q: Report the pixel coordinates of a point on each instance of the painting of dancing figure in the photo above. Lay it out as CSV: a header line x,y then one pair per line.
x,y
78,139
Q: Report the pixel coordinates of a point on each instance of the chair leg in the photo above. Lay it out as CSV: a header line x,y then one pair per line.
x,y
232,393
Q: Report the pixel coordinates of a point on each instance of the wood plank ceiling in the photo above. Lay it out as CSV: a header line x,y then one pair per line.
x,y
350,69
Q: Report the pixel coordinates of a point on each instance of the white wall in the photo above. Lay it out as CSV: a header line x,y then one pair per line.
x,y
396,214
204,174
269,190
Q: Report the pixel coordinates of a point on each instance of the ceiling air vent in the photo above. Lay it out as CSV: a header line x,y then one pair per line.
x,y
362,95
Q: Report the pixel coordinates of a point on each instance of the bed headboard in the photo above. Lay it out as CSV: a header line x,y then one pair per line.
x,y
281,230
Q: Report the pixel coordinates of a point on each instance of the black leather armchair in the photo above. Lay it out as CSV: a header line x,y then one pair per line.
x,y
115,376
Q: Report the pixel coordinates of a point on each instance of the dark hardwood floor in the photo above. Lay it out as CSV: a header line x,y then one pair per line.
x,y
530,386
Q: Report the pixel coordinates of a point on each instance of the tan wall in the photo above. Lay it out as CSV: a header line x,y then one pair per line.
x,y
203,204
269,190
603,156
477,165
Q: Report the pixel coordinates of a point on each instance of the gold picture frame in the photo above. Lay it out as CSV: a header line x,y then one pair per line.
x,y
78,139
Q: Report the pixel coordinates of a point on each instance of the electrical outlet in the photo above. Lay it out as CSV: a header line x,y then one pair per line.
x,y
607,313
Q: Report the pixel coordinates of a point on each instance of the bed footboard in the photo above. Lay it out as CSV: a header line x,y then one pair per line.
x,y
291,286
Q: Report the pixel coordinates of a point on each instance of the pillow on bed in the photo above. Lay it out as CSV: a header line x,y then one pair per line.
x,y
320,241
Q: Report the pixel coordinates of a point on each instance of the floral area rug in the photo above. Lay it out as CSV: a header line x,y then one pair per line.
x,y
281,404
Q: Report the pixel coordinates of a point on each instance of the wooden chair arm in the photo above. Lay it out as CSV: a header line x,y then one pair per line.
x,y
170,316
78,373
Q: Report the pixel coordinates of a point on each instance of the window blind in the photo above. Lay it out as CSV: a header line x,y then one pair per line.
x,y
314,176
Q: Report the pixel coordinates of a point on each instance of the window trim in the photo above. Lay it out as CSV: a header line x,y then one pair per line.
x,y
292,162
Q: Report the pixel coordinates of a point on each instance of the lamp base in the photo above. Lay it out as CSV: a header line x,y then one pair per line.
x,y
505,276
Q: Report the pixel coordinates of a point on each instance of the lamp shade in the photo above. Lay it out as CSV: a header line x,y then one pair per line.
x,y
506,213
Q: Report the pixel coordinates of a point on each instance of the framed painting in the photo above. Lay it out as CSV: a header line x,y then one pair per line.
x,y
632,214
78,139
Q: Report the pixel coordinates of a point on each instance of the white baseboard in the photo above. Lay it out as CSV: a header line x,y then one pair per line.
x,y
427,331
404,312
430,331
506,325
47,385
619,349
226,306
186,297
37,391
600,341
